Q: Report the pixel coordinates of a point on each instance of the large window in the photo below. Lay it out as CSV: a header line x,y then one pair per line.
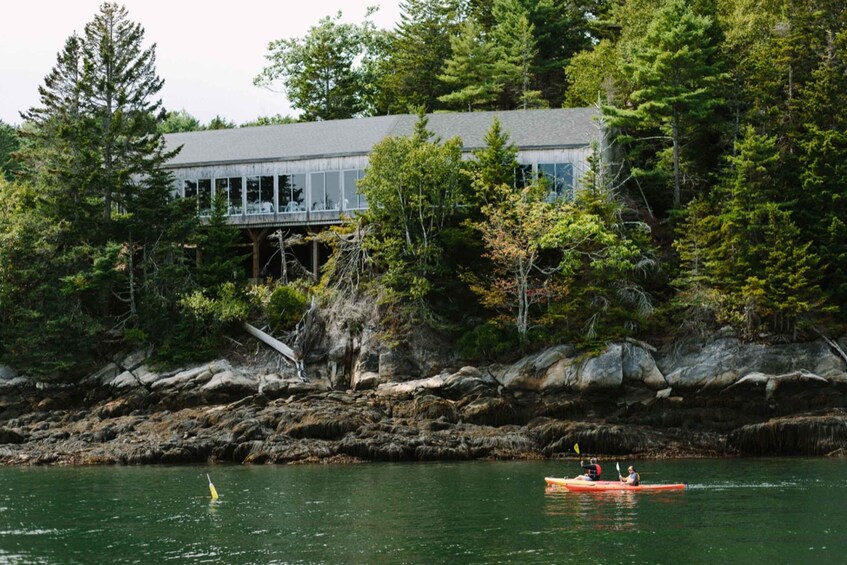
x,y
260,195
326,190
257,195
204,197
523,176
292,193
235,196
231,187
353,199
559,178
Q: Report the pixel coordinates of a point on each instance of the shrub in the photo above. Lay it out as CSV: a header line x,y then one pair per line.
x,y
285,308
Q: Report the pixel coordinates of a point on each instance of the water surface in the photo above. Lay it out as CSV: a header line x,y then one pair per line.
x,y
735,511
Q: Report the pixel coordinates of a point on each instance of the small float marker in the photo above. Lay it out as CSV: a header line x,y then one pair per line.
x,y
212,488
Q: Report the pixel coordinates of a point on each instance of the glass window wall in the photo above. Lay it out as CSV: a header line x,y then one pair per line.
x,y
204,197
318,181
353,199
332,201
292,191
235,196
559,179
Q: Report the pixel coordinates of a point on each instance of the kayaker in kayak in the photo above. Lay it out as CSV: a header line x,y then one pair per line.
x,y
592,470
633,478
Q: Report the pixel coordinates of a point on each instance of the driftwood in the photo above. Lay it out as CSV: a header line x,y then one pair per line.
x,y
771,382
277,345
833,344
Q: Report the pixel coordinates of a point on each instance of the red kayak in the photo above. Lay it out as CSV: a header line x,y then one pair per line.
x,y
578,485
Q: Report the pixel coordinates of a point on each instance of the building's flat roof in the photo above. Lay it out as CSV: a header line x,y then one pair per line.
x,y
527,129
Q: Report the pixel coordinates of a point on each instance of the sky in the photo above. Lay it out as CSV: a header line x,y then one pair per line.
x,y
207,51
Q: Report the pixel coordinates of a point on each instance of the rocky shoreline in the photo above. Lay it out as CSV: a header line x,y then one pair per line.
x,y
721,398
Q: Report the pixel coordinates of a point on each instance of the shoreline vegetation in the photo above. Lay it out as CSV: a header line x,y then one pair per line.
x,y
470,311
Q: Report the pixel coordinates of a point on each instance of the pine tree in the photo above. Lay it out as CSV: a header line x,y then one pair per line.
x,y
417,54
471,71
117,90
514,36
676,82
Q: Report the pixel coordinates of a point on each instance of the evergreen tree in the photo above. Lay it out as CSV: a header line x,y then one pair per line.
x,y
676,83
822,209
748,250
43,329
9,144
514,36
417,53
217,240
493,165
96,155
118,84
471,70
219,122
562,29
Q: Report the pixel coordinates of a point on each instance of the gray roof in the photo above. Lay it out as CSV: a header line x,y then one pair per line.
x,y
527,129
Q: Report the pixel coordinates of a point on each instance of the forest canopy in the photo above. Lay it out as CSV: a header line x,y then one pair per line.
x,y
723,201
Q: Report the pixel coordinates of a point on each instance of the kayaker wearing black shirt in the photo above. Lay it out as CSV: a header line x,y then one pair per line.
x,y
592,470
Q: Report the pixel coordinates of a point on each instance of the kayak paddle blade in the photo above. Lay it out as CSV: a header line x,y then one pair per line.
x,y
212,489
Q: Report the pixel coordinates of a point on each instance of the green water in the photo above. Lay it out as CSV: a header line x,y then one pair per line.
x,y
771,511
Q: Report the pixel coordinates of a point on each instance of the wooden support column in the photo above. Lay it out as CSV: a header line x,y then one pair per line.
x,y
316,266
257,237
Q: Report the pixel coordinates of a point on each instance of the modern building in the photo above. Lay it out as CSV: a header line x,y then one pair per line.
x,y
304,176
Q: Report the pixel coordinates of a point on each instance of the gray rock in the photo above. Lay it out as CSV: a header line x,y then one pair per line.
x,y
187,378
602,372
723,361
134,359
231,383
104,376
549,369
365,381
398,365
638,365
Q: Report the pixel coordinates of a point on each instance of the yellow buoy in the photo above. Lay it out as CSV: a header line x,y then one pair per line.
x,y
212,488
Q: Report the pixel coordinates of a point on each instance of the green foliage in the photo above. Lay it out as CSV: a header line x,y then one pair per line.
x,y
470,72
319,72
205,320
417,50
415,190
745,253
179,121
95,153
488,341
9,144
217,241
676,81
516,49
275,120
285,308
592,76
219,122
43,328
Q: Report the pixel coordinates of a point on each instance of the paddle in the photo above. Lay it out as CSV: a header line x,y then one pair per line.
x,y
618,467
576,448
212,488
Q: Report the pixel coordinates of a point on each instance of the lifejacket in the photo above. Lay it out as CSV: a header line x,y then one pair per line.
x,y
598,470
